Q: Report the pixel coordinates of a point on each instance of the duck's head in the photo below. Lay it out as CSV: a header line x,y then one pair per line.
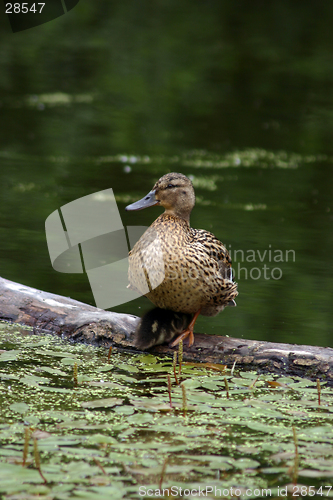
x,y
174,192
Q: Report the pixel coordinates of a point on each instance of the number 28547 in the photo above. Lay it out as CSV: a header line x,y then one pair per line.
x,y
24,8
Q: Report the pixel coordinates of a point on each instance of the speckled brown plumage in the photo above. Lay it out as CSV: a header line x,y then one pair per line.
x,y
177,267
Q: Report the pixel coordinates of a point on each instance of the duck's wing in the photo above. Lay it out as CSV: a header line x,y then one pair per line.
x,y
215,250
220,289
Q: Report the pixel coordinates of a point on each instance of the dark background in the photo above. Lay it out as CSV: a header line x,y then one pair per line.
x,y
236,94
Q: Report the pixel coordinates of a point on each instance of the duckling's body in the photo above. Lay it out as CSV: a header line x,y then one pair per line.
x,y
179,268
158,326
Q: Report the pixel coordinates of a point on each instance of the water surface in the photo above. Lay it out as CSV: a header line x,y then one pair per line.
x,y
240,100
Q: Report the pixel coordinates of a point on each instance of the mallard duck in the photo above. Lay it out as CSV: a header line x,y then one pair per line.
x,y
178,268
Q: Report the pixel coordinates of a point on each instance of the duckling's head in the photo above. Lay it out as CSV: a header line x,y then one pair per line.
x,y
174,192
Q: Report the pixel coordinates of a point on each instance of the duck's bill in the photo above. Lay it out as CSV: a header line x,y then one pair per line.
x,y
147,201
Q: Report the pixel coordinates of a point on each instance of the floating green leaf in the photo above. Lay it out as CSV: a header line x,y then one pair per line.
x,y
9,355
19,407
114,431
102,403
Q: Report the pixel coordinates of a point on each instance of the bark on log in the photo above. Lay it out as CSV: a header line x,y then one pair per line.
x,y
47,312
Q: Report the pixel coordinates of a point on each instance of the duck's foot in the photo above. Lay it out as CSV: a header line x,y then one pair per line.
x,y
187,333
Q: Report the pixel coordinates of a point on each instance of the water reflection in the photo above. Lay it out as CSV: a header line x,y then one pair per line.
x,y
238,99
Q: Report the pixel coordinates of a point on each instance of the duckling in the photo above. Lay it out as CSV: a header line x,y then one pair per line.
x,y
158,326
178,268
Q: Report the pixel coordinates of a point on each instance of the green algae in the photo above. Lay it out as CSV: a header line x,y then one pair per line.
x,y
110,433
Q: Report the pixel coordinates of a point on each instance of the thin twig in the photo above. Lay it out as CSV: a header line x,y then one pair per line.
x,y
99,465
109,353
296,458
254,382
169,390
318,390
163,473
184,398
174,364
180,357
27,436
75,372
37,460
226,386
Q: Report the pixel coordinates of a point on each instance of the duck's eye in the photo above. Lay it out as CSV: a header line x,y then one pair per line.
x,y
170,186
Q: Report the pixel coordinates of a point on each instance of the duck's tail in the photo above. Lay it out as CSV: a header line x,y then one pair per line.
x,y
158,326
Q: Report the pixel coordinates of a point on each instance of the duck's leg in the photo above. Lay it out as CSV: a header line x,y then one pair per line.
x,y
187,333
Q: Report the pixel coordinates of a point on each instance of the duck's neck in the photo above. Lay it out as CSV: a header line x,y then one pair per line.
x,y
179,215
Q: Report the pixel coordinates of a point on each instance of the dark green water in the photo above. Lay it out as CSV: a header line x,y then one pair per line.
x,y
237,95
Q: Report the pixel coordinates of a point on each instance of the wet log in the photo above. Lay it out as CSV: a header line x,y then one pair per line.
x,y
79,322
48,312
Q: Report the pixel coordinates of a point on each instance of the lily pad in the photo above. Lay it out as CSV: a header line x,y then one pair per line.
x,y
102,403
9,355
19,407
115,431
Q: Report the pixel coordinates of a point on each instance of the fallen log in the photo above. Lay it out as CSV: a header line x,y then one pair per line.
x,y
79,322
